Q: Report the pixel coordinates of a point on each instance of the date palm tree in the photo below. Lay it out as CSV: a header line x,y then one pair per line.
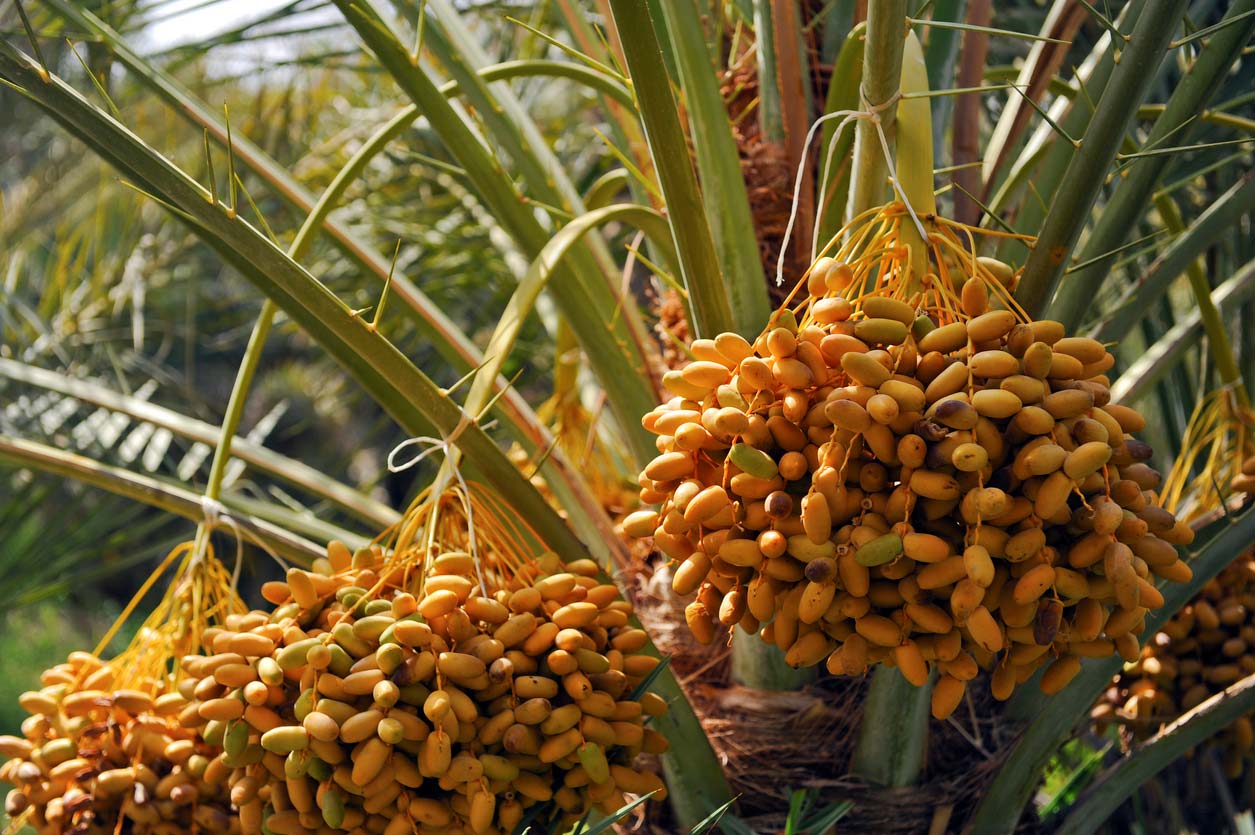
x,y
419,191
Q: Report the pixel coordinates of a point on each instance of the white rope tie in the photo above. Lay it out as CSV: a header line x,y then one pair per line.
x,y
870,111
893,171
1229,391
216,516
850,116
797,180
428,445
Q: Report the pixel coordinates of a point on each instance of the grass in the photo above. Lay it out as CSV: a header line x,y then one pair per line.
x,y
35,638
1068,773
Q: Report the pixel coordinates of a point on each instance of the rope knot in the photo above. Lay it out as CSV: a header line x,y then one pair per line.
x,y
427,445
870,112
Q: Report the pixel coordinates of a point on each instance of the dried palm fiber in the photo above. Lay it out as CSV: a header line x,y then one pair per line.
x,y
1210,643
441,680
764,163
102,750
897,472
672,327
772,744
